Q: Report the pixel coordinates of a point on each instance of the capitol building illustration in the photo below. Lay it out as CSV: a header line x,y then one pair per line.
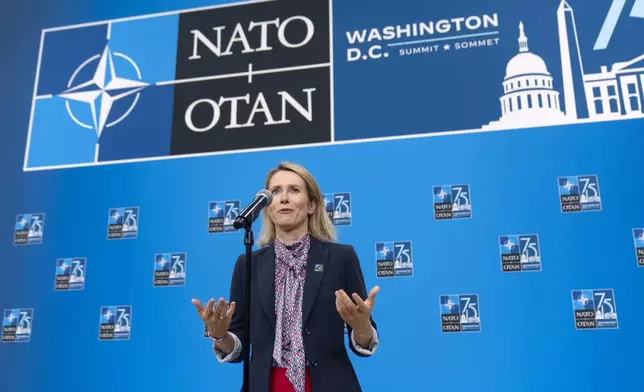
x,y
530,100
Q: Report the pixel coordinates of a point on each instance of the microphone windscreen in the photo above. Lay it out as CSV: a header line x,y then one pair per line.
x,y
266,193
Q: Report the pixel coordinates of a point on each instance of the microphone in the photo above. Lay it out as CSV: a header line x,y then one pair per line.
x,y
251,212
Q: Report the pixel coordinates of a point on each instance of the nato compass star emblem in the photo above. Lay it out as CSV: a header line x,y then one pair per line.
x,y
101,91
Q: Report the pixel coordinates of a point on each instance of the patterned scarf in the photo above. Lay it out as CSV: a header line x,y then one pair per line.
x,y
290,273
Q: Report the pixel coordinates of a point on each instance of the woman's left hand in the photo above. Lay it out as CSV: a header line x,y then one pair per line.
x,y
357,315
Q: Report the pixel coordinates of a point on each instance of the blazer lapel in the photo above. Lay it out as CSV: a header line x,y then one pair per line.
x,y
266,282
315,270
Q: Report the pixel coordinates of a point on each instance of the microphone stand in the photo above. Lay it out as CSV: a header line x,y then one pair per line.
x,y
245,219
248,242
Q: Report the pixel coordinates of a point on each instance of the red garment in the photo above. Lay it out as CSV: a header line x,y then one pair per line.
x,y
280,383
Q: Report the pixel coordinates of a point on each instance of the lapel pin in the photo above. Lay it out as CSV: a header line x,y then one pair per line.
x,y
319,267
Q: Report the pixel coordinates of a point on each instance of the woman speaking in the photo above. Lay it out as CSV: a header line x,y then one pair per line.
x,y
301,297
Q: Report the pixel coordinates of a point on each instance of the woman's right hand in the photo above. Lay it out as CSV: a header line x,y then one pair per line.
x,y
217,318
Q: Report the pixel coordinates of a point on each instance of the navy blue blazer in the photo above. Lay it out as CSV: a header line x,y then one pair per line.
x,y
330,267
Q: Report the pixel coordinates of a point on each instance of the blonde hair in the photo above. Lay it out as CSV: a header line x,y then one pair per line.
x,y
320,226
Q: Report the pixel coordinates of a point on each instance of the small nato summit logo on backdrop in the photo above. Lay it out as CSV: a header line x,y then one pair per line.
x,y
338,208
579,193
520,253
29,229
594,309
638,238
222,215
452,202
123,223
115,323
212,82
394,259
70,274
170,269
460,313
16,325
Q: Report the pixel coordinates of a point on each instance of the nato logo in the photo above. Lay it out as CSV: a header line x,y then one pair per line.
x,y
338,208
222,215
638,237
594,309
205,331
70,274
520,253
123,223
170,269
452,202
394,259
208,80
460,313
579,193
16,325
115,323
29,229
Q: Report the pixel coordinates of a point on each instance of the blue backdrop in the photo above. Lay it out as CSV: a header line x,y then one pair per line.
x,y
400,129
